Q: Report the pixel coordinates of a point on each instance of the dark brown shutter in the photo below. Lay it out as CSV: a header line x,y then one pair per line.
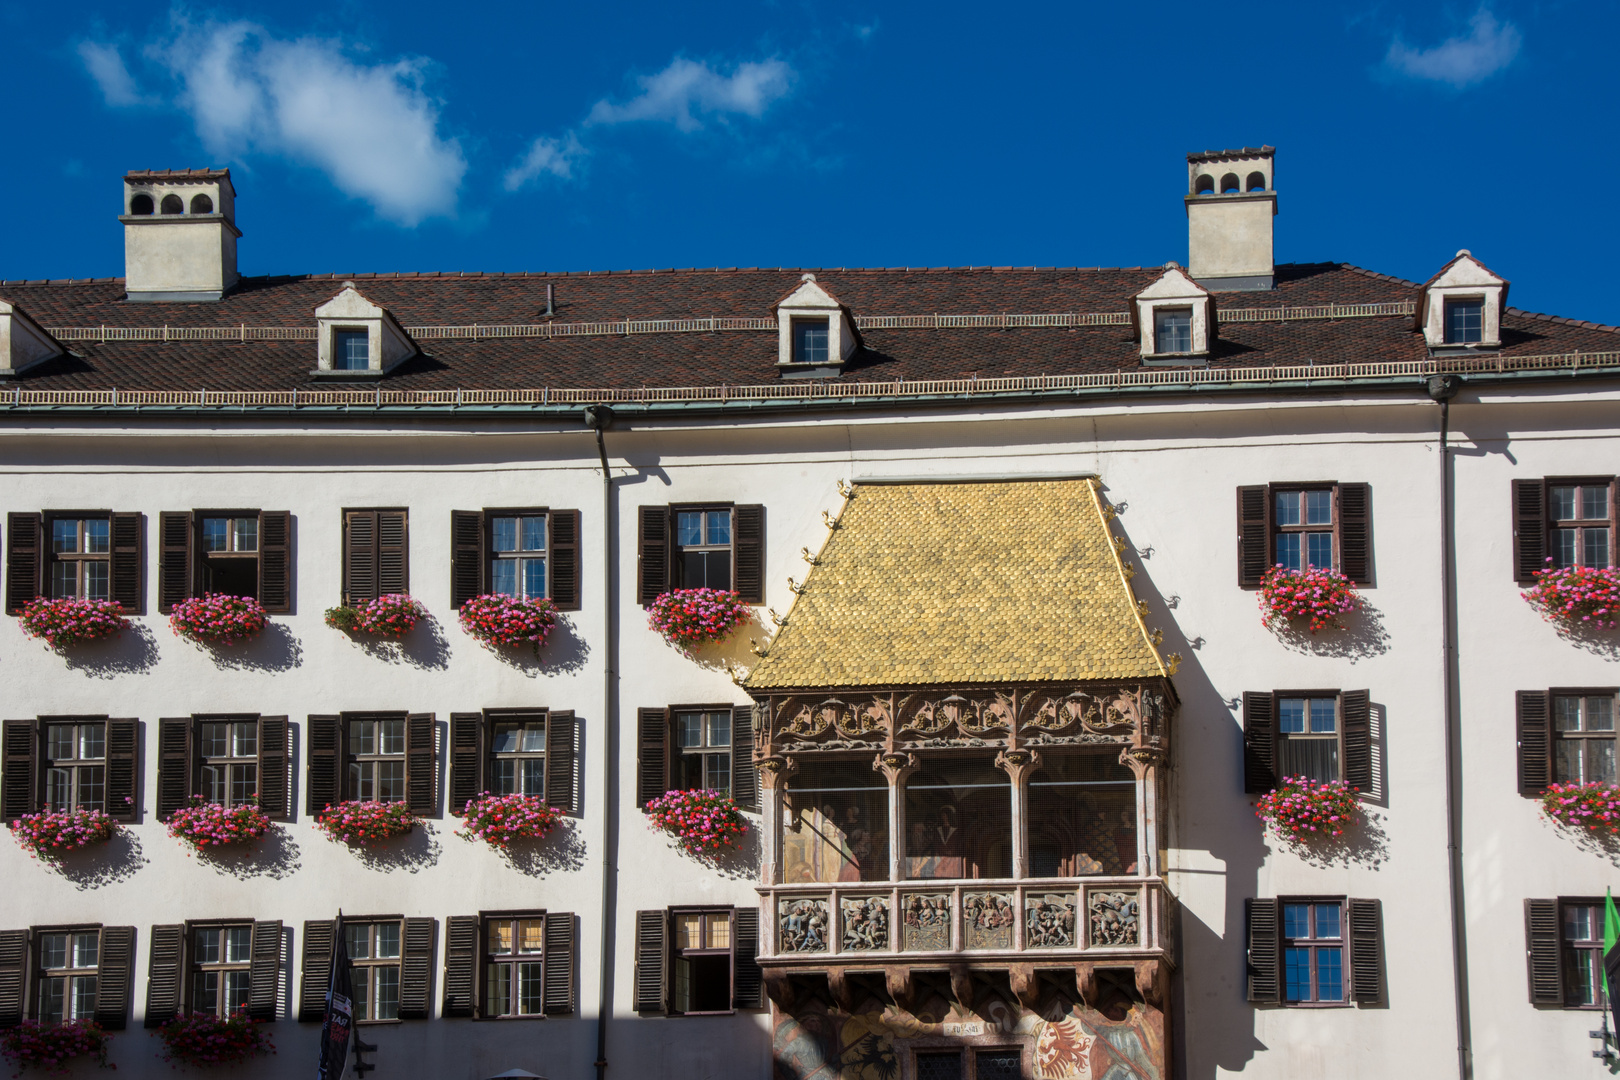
x,y
1355,532
1541,950
393,553
359,556
460,964
25,560
748,539
17,768
126,562
264,972
325,749
652,574
315,970
163,974
744,777
652,960
416,969
174,559
1529,529
557,995
466,759
1261,920
13,970
1356,710
467,557
748,982
113,976
275,561
564,539
1366,951
561,730
1259,743
1254,533
1535,742
176,770
275,792
652,754
421,765
123,769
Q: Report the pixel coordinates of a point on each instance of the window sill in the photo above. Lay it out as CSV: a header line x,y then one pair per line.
x,y
335,374
790,369
1188,360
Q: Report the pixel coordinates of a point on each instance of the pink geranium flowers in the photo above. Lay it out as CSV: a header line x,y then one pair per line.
x,y
1577,597
71,621
218,619
498,820
1300,808
1316,594
56,832
691,618
705,821
1593,807
51,1046
390,616
206,825
497,619
203,1039
361,824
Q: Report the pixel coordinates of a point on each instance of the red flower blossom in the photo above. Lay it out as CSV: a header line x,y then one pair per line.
x,y
691,618
1319,595
704,821
1300,808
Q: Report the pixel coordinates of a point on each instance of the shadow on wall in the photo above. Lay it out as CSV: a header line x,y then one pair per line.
x,y
738,864
736,651
273,649
1362,636
276,856
562,851
1366,845
1601,845
119,859
132,652
564,652
424,648
412,853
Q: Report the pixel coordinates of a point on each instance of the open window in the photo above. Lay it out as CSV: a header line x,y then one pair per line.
x,y
236,552
1325,735
697,961
702,546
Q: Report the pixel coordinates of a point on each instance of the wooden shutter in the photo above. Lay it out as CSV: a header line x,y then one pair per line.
x,y
460,964
652,754
467,556
748,540
163,974
1254,533
561,732
748,982
1259,743
1366,950
113,976
652,573
174,559
321,785
176,771
1535,741
652,960
744,777
1261,920
416,969
393,553
557,993
123,769
25,560
421,765
1541,951
126,562
563,536
1355,711
264,978
1529,529
466,759
275,561
359,556
13,974
275,790
315,972
1355,532
17,768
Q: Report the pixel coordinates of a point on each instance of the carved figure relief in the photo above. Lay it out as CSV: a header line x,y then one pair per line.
x,y
1049,921
927,925
866,923
1113,918
802,924
987,920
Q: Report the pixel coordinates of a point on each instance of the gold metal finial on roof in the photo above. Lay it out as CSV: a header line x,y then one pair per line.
x,y
753,647
1142,608
795,587
1157,637
1119,543
828,520
1129,569
804,553
1172,663
1108,512
846,490
736,672
779,620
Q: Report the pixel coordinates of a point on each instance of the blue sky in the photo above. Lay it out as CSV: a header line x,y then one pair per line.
x,y
369,136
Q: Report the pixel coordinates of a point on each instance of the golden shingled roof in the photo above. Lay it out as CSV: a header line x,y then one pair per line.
x,y
964,582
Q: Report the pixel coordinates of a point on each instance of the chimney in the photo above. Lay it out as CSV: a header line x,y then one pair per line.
x,y
179,235
1230,204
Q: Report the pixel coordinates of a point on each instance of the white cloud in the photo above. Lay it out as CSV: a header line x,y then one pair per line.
x,y
546,155
1461,61
686,87
106,65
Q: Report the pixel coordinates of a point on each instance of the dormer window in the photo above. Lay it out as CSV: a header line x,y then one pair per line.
x,y
1465,321
816,334
351,350
1461,307
357,338
1174,319
1172,330
810,341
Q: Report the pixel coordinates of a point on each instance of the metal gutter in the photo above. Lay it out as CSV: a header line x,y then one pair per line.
x,y
599,418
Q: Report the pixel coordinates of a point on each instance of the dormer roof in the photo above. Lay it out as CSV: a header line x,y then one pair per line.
x,y
23,342
1463,278
390,344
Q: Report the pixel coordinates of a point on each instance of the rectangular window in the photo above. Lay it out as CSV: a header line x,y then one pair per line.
x,y
1583,738
376,749
376,555
835,824
75,765
518,555
221,969
514,965
518,750
1465,321
80,557
1172,330
1081,816
1308,737
810,341
1582,943
351,350
958,820
703,743
229,546
374,952
68,967
229,755
703,539
1580,523
1313,952
702,962
1302,520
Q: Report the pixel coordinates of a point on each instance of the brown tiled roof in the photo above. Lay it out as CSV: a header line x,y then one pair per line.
x,y
1240,152
159,176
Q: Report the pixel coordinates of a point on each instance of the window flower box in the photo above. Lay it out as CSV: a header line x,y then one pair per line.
x,y
360,824
498,820
57,832
706,822
206,825
49,1047
500,620
390,616
1577,597
218,618
692,618
1320,596
72,621
202,1039
1592,807
1303,809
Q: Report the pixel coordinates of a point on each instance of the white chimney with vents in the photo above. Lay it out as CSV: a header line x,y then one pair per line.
x,y
179,234
1230,204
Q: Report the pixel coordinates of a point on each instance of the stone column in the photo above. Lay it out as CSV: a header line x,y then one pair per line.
x,y
1019,765
774,770
895,767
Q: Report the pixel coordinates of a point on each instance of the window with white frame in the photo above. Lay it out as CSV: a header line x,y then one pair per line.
x,y
67,975
81,557
75,765
374,957
351,349
229,754
221,969
1172,330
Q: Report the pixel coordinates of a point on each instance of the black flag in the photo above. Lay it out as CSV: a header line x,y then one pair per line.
x,y
337,1028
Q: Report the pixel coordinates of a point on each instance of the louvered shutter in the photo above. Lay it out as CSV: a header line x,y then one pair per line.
x,y
123,769
1366,951
744,777
561,740
564,540
421,765
652,754
1529,529
557,996
275,561
1355,532
460,964
175,567
325,753
275,791
113,976
748,981
1259,743
393,553
124,558
467,561
17,768
163,974
748,538
1261,931
315,970
1254,533
416,970
466,759
1355,708
652,960
652,574
176,774
25,560
359,556
264,972
13,972
1541,951
1535,741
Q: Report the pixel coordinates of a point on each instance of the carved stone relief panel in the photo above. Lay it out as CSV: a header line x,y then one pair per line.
x,y
865,921
1113,918
927,925
1049,920
987,920
802,924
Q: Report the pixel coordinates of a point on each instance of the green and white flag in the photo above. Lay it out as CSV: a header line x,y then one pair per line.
x,y
1611,954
